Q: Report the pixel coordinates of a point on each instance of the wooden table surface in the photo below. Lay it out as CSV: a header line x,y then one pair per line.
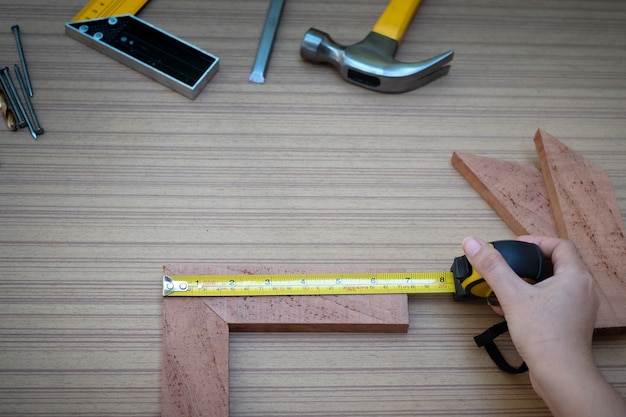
x,y
306,170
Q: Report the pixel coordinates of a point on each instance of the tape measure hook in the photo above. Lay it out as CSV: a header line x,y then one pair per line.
x,y
170,286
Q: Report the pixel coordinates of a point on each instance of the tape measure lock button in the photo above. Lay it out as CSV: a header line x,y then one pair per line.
x,y
462,270
525,259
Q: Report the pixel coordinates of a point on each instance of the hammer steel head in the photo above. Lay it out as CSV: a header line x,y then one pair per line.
x,y
371,63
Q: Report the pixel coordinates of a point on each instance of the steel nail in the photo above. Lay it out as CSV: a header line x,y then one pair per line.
x,y
18,107
4,73
20,51
38,129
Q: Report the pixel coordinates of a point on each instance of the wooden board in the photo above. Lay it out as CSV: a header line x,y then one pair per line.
x,y
515,191
586,212
196,330
195,359
570,197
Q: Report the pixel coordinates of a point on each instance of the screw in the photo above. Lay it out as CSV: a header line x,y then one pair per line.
x,y
20,51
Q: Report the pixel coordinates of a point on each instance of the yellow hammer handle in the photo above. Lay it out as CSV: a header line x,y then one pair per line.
x,y
396,18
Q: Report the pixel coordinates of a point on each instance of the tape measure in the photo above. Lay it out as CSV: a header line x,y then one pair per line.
x,y
309,284
107,8
462,280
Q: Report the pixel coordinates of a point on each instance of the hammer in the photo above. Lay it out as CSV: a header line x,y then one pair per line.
x,y
371,63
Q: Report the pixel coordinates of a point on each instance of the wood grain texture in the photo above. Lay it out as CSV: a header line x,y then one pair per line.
x,y
195,360
515,191
305,171
572,194
377,313
196,329
586,212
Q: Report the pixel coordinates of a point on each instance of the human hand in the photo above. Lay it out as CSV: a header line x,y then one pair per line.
x,y
553,318
551,324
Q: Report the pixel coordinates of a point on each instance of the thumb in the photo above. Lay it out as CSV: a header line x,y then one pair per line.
x,y
492,266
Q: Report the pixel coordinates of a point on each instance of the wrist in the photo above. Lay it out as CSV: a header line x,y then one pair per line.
x,y
567,383
550,372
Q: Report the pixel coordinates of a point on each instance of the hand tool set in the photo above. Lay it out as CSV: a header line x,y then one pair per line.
x,y
369,63
110,27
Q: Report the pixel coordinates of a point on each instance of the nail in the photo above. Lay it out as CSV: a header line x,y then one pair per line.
x,y
20,51
19,107
36,126
4,73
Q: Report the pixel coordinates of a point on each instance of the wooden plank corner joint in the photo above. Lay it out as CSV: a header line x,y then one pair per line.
x,y
196,334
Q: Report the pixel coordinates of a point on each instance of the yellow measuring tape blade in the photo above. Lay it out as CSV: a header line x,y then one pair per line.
x,y
308,284
105,8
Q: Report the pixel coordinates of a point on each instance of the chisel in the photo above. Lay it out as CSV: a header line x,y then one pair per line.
x,y
267,42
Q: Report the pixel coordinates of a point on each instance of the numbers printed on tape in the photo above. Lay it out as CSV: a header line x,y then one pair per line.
x,y
106,8
308,284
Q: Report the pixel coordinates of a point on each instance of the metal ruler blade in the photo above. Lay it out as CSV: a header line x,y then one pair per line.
x,y
464,282
107,8
309,284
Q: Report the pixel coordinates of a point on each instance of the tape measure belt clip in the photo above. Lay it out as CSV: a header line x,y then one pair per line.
x,y
525,259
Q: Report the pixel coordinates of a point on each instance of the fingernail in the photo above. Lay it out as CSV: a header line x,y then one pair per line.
x,y
471,245
492,301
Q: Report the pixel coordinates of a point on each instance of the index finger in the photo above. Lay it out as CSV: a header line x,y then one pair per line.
x,y
546,244
561,252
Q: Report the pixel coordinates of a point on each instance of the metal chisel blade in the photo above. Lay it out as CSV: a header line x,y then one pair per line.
x,y
267,42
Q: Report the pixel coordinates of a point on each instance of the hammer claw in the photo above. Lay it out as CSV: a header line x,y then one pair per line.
x,y
371,63
398,77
